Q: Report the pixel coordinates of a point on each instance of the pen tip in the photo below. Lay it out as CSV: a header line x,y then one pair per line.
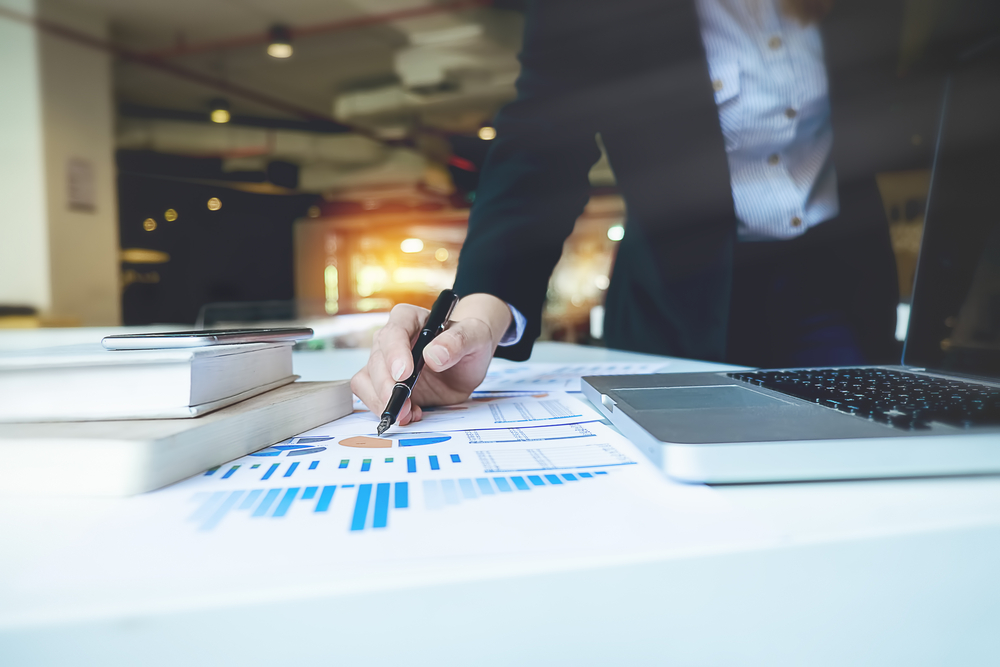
x,y
383,426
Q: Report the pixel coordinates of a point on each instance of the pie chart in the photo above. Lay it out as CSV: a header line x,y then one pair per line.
x,y
408,440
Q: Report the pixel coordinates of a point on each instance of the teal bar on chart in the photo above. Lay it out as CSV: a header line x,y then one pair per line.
x,y
211,471
361,507
402,495
343,463
434,462
291,469
286,502
601,472
325,497
584,474
380,517
229,473
366,465
310,492
314,465
553,479
570,477
536,480
455,458
270,471
265,504
485,487
502,484
411,464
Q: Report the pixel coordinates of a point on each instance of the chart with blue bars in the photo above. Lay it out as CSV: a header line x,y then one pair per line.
x,y
371,502
266,471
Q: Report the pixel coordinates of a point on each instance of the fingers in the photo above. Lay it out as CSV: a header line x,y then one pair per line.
x,y
393,341
462,338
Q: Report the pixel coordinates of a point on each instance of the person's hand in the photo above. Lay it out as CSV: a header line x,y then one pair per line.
x,y
455,361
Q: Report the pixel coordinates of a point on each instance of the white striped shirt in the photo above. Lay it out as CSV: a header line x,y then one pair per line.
x,y
771,90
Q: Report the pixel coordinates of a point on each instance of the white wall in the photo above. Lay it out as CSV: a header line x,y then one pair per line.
x,y
24,255
55,104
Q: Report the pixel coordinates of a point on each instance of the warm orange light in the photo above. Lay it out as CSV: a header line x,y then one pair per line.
x,y
487,133
214,204
149,224
170,215
411,245
220,115
441,254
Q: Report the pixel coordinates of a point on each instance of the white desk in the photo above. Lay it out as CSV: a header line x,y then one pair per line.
x,y
870,573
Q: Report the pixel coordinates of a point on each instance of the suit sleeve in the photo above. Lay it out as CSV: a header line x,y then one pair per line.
x,y
534,183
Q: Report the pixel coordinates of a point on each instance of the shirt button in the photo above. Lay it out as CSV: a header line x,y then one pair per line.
x,y
773,159
775,43
796,221
791,113
717,85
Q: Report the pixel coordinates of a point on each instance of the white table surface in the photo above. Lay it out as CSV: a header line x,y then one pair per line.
x,y
899,572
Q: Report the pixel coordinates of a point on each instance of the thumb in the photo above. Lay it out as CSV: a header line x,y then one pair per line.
x,y
461,339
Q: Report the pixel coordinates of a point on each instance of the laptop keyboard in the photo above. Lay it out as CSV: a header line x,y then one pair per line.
x,y
904,400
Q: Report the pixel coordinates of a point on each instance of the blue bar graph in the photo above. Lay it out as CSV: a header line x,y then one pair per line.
x,y
343,463
291,469
250,499
270,471
485,487
536,480
520,483
432,495
286,502
265,504
366,465
553,479
223,509
229,473
434,462
361,507
310,492
211,471
314,465
502,484
455,458
449,491
206,507
402,495
601,472
411,464
570,477
325,497
584,474
468,491
381,515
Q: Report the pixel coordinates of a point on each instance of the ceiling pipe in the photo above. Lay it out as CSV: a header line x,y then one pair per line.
x,y
317,29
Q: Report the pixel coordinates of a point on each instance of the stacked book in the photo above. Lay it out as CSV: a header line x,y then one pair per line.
x,y
82,420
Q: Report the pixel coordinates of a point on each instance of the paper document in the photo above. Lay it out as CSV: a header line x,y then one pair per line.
x,y
483,410
559,377
338,509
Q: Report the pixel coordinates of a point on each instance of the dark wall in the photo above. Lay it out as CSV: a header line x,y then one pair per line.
x,y
240,252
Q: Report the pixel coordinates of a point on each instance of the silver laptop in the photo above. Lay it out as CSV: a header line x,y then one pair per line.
x,y
936,414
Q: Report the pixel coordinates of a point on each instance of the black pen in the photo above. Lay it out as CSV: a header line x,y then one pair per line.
x,y
435,324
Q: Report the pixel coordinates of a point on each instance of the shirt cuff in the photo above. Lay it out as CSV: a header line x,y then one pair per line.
x,y
516,329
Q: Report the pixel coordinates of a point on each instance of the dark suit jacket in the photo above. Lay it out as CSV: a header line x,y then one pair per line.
x,y
635,72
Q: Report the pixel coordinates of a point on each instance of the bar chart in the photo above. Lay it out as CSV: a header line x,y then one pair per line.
x,y
368,463
372,503
441,492
551,458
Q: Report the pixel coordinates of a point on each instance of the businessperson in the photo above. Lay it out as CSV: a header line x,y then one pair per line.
x,y
744,136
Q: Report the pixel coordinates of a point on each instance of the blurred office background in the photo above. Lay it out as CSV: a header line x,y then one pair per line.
x,y
204,161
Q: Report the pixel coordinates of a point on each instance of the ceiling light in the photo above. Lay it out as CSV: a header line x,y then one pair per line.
x,y
281,42
411,245
220,110
487,133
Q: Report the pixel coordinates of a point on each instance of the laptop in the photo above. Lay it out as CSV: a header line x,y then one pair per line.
x,y
938,413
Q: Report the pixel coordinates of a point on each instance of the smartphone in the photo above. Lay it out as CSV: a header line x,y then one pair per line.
x,y
179,339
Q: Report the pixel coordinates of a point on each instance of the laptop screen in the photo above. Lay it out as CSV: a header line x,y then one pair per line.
x,y
955,316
